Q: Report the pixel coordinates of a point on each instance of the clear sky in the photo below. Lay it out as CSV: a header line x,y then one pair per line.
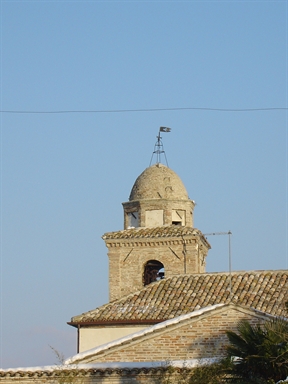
x,y
64,176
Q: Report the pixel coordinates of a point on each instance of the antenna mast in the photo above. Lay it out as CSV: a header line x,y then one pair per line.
x,y
159,148
229,233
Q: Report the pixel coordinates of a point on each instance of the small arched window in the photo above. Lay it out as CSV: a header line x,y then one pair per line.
x,y
153,271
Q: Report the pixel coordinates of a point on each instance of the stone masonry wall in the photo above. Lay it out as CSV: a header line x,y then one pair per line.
x,y
166,205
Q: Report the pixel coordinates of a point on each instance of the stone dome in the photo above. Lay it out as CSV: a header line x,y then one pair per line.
x,y
158,182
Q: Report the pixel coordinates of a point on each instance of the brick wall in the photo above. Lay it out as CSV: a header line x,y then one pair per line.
x,y
127,259
192,339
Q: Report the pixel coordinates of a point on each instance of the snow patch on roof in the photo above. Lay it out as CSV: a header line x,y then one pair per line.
x,y
46,368
114,365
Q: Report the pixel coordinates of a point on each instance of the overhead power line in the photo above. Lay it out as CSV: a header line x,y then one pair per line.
x,y
151,110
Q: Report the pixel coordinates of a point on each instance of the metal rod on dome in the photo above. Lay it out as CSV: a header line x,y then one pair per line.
x,y
159,148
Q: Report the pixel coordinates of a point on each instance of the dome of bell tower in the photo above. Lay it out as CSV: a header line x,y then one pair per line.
x,y
158,198
158,182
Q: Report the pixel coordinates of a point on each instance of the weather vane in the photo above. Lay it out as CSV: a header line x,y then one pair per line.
x,y
158,148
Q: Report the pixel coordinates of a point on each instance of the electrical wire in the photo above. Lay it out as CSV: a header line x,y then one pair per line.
x,y
151,110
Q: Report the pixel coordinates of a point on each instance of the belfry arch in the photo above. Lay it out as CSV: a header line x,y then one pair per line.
x,y
153,271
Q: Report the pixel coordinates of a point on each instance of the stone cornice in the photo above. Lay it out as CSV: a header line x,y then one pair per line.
x,y
148,243
165,235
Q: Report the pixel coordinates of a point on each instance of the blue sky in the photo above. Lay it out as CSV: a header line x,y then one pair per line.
x,y
65,175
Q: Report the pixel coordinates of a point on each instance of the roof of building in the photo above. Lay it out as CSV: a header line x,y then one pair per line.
x,y
99,369
155,232
158,182
265,291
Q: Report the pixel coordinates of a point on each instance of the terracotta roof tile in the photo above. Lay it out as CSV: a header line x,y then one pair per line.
x,y
263,290
143,232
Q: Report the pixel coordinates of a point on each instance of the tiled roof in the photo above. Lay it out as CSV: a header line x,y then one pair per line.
x,y
265,291
60,373
143,232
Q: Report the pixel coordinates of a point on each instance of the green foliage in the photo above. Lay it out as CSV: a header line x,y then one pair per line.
x,y
173,375
210,373
259,353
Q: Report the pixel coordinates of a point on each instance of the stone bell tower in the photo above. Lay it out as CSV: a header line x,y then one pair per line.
x,y
158,239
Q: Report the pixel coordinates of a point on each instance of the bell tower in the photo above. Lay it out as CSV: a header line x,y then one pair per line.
x,y
159,239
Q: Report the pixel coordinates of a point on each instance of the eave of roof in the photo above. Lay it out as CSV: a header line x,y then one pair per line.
x,y
115,322
164,231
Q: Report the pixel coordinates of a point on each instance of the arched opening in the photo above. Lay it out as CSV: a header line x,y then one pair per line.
x,y
153,271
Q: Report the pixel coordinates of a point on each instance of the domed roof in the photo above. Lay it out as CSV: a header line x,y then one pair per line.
x,y
158,182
